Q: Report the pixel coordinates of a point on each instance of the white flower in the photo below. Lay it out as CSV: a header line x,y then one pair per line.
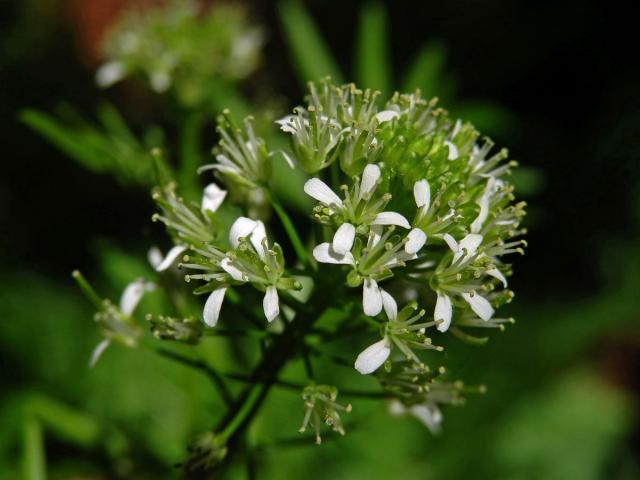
x,y
132,295
495,273
467,247
98,351
319,190
110,73
371,298
415,241
161,263
391,218
129,300
390,306
422,194
370,177
212,198
453,150
343,239
463,251
443,311
270,303
212,306
372,357
493,185
241,228
386,116
324,253
479,305
428,413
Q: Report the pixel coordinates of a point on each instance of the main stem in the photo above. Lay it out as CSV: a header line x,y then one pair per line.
x,y
264,376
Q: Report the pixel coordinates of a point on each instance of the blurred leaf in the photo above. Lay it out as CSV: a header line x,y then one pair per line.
x,y
309,52
566,431
108,147
427,71
489,117
372,56
63,138
68,424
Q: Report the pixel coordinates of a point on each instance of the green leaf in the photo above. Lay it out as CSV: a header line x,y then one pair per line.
x,y
427,71
309,52
74,426
372,56
63,138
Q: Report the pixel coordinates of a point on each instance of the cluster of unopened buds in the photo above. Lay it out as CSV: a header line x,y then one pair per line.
x,y
412,216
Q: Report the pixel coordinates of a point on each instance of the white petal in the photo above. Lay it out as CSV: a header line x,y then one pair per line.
x,y
443,311
110,73
286,124
170,258
416,240
257,236
213,197
422,193
319,190
324,253
154,256
495,273
370,178
429,414
343,238
468,245
133,294
396,407
456,128
371,298
375,234
389,304
98,351
391,218
451,242
479,305
453,150
372,357
286,156
227,265
476,226
241,228
386,115
212,307
160,81
270,303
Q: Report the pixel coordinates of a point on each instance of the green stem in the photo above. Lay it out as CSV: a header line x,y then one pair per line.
x,y
33,461
245,409
87,289
298,246
215,377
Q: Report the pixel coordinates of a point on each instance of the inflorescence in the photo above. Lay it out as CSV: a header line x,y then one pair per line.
x,y
413,217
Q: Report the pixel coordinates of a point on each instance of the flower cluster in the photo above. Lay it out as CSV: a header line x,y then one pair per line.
x,y
165,45
411,221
